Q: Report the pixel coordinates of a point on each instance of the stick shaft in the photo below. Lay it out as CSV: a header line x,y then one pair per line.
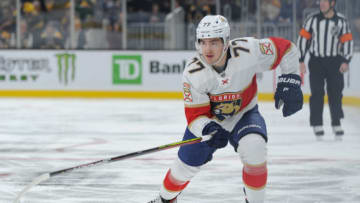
x,y
129,155
46,176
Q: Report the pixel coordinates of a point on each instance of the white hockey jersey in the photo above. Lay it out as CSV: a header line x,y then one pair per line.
x,y
225,97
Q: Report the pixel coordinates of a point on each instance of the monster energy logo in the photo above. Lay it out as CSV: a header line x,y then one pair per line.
x,y
65,62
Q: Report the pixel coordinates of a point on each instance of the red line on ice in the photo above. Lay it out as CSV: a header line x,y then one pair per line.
x,y
94,142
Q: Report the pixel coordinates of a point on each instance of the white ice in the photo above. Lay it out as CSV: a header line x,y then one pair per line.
x,y
44,135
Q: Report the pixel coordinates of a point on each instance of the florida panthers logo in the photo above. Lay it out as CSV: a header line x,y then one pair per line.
x,y
225,105
226,109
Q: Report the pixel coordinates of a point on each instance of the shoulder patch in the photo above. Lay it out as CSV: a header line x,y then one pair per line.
x,y
187,92
266,48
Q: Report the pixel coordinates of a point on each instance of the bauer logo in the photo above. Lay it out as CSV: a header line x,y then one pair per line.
x,y
66,67
127,69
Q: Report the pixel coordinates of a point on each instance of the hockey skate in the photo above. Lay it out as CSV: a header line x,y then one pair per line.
x,y
319,132
338,131
159,199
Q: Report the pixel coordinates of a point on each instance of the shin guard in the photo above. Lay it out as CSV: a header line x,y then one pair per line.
x,y
252,151
255,178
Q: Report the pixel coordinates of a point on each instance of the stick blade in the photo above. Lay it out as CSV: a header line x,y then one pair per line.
x,y
35,182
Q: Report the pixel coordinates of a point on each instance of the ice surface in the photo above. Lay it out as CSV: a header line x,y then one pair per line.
x,y
44,135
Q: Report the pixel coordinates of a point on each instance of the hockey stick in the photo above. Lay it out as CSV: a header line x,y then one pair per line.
x,y
46,176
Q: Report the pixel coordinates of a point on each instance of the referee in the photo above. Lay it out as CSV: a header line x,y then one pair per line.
x,y
326,35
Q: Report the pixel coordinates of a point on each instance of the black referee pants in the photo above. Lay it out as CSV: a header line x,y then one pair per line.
x,y
325,70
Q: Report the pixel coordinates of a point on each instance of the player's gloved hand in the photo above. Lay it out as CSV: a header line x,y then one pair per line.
x,y
288,92
219,137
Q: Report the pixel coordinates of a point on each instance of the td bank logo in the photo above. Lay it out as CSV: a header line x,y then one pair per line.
x,y
127,69
66,67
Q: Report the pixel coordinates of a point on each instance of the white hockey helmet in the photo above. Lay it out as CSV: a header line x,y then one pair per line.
x,y
213,26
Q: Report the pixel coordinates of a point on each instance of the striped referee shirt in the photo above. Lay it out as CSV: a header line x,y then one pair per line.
x,y
326,37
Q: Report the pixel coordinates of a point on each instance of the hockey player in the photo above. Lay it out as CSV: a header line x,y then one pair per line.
x,y
220,95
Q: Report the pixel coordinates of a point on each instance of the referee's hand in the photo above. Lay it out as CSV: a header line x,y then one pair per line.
x,y
302,68
344,68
